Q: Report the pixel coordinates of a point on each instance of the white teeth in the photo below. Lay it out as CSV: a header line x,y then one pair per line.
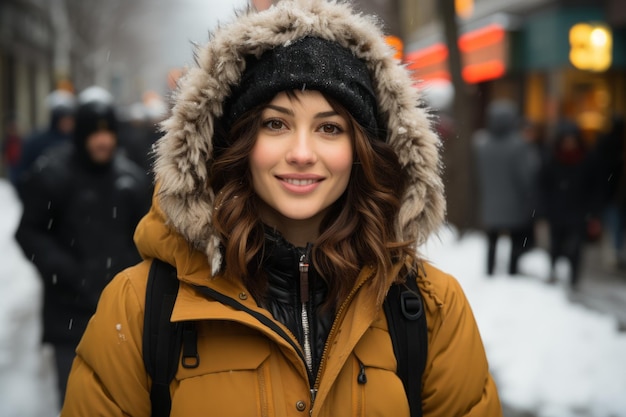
x,y
299,182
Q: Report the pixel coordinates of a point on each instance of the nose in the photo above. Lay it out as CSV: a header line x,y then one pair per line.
x,y
301,149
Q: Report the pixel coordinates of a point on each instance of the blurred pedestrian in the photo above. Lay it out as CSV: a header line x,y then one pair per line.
x,y
139,131
61,105
134,136
567,182
610,170
295,179
82,201
11,148
507,167
534,134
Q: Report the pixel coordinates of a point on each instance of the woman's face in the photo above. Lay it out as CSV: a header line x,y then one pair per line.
x,y
301,160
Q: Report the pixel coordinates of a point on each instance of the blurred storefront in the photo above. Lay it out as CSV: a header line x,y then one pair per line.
x,y
574,65
555,58
26,54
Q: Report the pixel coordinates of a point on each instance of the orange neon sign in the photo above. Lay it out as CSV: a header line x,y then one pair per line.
x,y
483,54
489,70
481,38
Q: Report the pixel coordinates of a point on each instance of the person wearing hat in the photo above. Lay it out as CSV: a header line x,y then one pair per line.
x,y
295,180
62,107
82,201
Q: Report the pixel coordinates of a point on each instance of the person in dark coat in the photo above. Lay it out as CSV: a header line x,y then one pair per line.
x,y
610,176
81,202
62,105
507,167
567,196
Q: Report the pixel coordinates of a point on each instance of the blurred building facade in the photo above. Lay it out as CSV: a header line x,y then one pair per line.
x,y
555,58
70,44
26,61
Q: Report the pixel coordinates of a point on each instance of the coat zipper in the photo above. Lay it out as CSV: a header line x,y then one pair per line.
x,y
303,267
304,313
331,335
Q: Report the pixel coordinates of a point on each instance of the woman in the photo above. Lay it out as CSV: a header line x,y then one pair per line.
x,y
295,158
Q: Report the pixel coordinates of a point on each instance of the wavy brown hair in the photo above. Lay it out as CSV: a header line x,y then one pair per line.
x,y
359,229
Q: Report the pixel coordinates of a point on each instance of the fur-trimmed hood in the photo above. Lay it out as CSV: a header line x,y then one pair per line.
x,y
186,149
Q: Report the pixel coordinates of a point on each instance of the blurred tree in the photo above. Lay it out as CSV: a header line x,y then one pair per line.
x,y
461,190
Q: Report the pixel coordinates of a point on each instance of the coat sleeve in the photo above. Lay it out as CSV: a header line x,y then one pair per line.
x,y
108,377
456,381
42,192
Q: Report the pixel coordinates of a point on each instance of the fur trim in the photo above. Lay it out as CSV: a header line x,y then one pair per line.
x,y
186,148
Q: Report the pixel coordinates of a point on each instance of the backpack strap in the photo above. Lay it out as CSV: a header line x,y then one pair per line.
x,y
406,320
161,337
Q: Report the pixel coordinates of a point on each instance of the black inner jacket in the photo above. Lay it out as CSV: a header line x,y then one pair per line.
x,y
281,265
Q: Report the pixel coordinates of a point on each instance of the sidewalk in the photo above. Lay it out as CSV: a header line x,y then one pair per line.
x,y
602,287
510,412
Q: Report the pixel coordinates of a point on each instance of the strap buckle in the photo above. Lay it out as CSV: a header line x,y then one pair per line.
x,y
411,304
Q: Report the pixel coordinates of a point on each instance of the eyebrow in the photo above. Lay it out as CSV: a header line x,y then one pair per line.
x,y
290,112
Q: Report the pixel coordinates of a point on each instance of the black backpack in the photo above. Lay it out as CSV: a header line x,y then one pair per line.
x,y
164,340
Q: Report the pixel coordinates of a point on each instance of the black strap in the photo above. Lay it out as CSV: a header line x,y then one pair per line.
x,y
406,320
161,337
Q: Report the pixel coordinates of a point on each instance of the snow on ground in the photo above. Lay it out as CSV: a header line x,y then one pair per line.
x,y
26,379
549,356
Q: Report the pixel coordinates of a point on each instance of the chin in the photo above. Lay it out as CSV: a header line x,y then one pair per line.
x,y
301,215
102,161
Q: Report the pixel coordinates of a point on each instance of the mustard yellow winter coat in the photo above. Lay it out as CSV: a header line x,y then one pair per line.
x,y
246,369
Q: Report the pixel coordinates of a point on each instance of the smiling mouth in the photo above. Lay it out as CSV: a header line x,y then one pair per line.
x,y
300,182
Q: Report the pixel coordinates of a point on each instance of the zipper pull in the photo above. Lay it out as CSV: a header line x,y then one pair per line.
x,y
304,275
313,395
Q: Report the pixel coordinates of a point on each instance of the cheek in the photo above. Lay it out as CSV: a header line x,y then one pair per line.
x,y
341,161
262,159
259,157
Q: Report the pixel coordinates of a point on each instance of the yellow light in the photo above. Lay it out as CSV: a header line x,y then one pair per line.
x,y
464,8
599,37
590,47
579,34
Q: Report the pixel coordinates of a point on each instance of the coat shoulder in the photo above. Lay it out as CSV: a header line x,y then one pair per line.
x,y
454,342
110,348
438,286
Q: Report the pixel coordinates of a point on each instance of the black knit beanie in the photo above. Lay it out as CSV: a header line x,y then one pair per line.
x,y
92,117
307,64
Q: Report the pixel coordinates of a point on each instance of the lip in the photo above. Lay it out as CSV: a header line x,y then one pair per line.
x,y
299,183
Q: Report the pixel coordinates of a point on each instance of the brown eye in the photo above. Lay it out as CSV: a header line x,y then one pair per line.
x,y
331,129
274,124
